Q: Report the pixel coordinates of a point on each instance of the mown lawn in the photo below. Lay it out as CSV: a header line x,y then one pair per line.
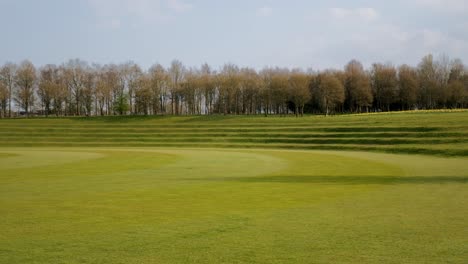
x,y
434,133
230,206
136,190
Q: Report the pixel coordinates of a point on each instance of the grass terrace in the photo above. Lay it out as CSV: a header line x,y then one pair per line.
x,y
377,188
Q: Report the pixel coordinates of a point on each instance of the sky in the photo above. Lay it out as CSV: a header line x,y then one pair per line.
x,y
256,33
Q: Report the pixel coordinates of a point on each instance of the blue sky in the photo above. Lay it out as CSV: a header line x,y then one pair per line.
x,y
256,33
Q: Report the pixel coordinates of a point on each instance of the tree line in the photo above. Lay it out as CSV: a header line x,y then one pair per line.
x,y
77,88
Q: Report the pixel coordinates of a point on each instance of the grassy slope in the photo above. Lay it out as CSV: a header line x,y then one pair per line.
x,y
424,133
168,205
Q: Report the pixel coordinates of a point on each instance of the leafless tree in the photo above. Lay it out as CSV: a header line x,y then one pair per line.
x,y
25,79
329,91
358,88
384,85
7,78
299,84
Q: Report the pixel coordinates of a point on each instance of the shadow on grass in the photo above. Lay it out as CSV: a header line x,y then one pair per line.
x,y
207,118
382,129
343,180
118,119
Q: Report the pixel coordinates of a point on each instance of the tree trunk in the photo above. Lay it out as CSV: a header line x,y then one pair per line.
x,y
9,102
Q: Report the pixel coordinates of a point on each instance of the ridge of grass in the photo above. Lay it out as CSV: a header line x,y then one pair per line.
x,y
440,133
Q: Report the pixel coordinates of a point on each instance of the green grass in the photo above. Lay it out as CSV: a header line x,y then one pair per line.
x,y
433,133
277,190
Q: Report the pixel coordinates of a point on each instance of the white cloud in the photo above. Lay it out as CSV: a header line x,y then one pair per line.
x,y
344,34
112,12
388,42
265,11
179,6
444,5
433,40
365,13
109,10
115,23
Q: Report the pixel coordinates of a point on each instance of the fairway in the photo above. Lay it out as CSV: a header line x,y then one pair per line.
x,y
233,132
82,201
230,206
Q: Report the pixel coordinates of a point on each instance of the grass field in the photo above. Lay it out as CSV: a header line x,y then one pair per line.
x,y
344,189
438,133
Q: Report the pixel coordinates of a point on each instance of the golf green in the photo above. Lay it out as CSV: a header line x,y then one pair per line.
x,y
189,205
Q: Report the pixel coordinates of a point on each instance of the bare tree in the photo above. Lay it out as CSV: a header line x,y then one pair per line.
x,y
89,91
107,85
428,82
282,90
25,80
75,73
329,91
75,88
134,75
250,83
60,94
48,86
207,84
3,99
456,94
7,77
384,85
299,84
408,87
357,86
144,96
457,71
228,88
159,83
176,73
191,91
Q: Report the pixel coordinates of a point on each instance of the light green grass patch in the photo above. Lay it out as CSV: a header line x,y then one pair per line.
x,y
167,205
